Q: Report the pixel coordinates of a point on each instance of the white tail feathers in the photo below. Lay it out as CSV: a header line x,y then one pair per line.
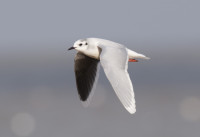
x,y
133,54
146,58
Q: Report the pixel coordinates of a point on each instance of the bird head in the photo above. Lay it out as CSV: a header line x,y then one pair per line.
x,y
80,45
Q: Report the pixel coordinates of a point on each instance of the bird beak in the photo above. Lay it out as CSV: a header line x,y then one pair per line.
x,y
71,48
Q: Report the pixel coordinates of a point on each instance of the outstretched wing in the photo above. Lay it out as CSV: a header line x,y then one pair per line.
x,y
86,72
114,61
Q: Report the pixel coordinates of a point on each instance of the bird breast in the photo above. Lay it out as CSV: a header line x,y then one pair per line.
x,y
93,52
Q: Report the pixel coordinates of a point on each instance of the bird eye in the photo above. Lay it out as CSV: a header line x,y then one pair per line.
x,y
80,44
86,43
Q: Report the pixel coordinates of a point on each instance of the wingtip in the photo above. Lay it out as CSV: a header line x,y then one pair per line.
x,y
131,111
85,103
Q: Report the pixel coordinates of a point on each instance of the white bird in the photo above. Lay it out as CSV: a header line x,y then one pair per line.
x,y
114,59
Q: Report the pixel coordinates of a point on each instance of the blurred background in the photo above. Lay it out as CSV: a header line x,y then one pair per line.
x,y
38,94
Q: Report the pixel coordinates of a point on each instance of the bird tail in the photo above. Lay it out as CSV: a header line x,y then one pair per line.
x,y
133,54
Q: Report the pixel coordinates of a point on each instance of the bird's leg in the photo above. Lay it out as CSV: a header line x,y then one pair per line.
x,y
133,60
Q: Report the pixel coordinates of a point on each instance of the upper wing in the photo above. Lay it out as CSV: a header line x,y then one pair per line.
x,y
115,64
86,75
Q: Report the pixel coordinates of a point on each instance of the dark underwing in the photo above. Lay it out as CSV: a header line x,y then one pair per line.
x,y
85,71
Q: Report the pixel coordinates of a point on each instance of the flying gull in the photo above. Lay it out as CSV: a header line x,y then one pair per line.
x,y
114,59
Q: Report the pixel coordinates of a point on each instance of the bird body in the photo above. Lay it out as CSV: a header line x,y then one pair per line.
x,y
114,59
94,51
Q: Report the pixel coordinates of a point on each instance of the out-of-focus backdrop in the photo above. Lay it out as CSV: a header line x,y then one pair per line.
x,y
38,94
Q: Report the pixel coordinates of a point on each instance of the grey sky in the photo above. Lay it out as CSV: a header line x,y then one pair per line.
x,y
50,22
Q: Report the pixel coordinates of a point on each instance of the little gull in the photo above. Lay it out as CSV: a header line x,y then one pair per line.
x,y
114,59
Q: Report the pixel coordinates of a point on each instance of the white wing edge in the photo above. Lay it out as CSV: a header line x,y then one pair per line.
x,y
132,108
128,103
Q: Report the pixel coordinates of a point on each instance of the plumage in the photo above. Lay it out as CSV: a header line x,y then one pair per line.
x,y
85,69
116,72
114,59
